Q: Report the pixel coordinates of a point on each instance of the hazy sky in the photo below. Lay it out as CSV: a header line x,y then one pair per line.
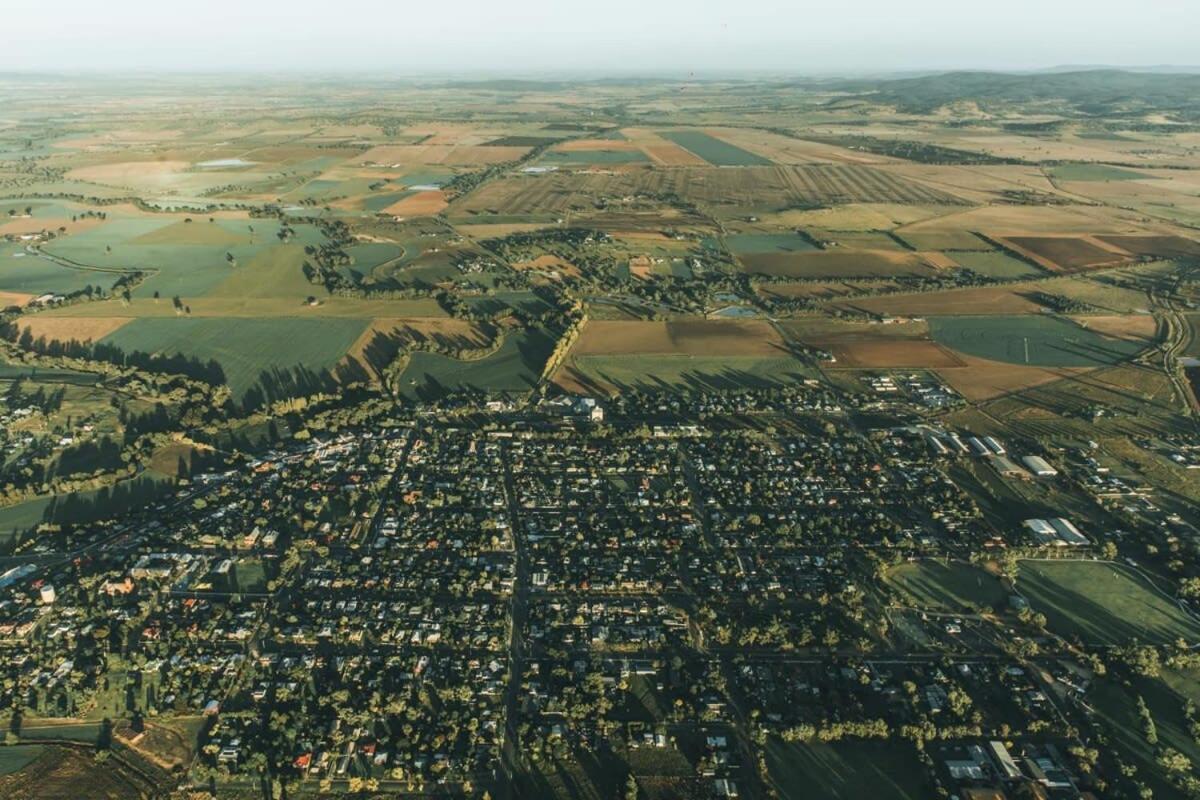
x,y
403,37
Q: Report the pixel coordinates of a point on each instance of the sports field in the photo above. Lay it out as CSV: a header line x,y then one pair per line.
x,y
954,587
1036,340
1103,603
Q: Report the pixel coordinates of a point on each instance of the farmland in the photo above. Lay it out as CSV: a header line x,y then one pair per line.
x,y
1042,341
273,357
551,437
715,151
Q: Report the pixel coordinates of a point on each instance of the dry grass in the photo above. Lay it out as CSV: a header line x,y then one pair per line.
x,y
65,329
869,346
1135,327
981,379
124,172
1064,253
448,154
14,299
421,204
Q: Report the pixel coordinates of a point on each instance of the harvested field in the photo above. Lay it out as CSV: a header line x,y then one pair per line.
x,y
694,337
739,189
866,346
421,204
66,329
1155,246
1140,328
448,154
980,379
124,172
944,240
14,299
1064,252
837,264
669,154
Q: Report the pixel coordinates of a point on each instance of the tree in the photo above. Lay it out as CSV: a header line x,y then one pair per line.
x,y
631,788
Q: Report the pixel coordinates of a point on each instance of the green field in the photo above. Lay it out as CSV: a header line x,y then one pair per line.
x,y
846,771
994,264
1094,172
1042,341
188,259
277,356
1103,603
515,367
25,273
715,151
953,587
746,243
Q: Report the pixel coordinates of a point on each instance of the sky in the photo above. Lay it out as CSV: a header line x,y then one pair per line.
x,y
568,37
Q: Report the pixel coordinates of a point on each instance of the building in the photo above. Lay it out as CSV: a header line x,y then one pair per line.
x,y
1039,466
1057,532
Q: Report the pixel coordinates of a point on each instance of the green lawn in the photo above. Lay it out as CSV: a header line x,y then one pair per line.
x,y
715,151
1043,341
953,587
1103,603
847,771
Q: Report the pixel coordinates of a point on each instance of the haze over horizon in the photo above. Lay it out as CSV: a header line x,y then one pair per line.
x,y
540,36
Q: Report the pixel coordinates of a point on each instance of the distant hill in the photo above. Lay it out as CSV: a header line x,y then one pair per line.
x,y
1088,92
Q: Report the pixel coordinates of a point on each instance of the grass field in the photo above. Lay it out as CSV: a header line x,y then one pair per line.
x,y
994,264
1034,340
715,151
745,243
955,587
846,771
1094,172
22,273
274,355
1103,603
187,259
